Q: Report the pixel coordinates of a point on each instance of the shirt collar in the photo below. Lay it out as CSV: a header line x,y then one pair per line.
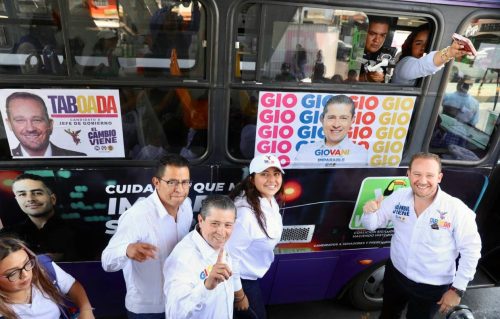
x,y
48,152
205,249
161,211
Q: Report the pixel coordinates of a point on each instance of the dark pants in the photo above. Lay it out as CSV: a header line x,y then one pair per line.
x,y
132,315
257,309
400,291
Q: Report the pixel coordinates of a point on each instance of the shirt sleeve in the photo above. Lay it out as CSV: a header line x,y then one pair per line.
x,y
468,244
114,257
412,68
185,294
64,280
239,241
380,218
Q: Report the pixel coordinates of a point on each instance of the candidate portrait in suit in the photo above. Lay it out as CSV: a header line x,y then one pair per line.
x,y
29,120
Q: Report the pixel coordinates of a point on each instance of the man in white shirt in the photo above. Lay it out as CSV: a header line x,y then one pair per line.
x,y
197,273
147,232
336,149
431,229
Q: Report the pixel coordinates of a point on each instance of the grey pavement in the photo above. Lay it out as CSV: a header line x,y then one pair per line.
x,y
483,302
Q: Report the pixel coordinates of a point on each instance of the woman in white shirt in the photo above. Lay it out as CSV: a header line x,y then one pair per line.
x,y
256,232
26,290
414,63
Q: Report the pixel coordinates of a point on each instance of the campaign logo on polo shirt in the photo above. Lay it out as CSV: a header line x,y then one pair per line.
x,y
437,223
401,212
204,274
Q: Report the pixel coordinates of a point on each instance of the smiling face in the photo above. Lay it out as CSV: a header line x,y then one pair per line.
x,y
170,195
337,122
419,44
29,123
425,176
15,261
217,227
34,198
268,182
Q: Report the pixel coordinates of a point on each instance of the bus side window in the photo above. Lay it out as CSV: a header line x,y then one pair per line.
x,y
157,121
468,115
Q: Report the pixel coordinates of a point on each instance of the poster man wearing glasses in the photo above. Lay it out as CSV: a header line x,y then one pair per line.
x,y
146,234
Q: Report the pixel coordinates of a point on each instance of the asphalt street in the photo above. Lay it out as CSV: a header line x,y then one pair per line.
x,y
483,302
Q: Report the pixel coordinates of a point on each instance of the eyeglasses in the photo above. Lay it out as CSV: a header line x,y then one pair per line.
x,y
15,275
174,182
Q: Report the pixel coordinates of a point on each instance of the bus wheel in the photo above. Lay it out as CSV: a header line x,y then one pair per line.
x,y
367,290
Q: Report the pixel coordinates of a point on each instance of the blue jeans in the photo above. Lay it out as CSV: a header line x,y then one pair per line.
x,y
257,309
132,315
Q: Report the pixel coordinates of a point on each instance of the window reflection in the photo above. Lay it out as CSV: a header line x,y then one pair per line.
x,y
157,121
31,39
138,39
469,110
292,44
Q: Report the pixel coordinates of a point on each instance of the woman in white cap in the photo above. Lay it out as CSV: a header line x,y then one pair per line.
x,y
256,232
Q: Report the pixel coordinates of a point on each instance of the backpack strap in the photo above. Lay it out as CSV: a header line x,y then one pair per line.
x,y
46,263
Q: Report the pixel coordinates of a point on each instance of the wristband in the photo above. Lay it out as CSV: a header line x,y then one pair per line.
x,y
444,55
459,292
240,299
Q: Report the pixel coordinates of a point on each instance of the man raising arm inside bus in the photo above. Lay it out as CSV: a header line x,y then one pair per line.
x,y
431,229
147,232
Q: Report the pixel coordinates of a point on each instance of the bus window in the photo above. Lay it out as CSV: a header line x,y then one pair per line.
x,y
292,43
31,39
157,121
469,109
137,39
242,123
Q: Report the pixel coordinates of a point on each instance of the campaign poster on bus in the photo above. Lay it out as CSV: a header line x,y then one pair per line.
x,y
62,123
319,130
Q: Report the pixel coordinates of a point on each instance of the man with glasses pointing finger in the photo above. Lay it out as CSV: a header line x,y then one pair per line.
x,y
147,232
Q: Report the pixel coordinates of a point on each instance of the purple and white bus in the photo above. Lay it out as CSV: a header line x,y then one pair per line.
x,y
219,81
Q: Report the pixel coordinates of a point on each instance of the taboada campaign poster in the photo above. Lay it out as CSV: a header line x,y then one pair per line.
x,y
354,131
62,123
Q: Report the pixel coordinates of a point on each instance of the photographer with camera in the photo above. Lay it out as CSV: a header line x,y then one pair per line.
x,y
378,29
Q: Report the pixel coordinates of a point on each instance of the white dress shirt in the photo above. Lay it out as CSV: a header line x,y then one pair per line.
x,y
424,249
147,221
42,307
251,249
409,69
185,272
319,155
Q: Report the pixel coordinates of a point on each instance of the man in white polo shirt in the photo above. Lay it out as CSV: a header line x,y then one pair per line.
x,y
431,229
198,272
147,232
336,149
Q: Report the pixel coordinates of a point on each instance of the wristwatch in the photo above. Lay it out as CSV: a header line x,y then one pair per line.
x,y
459,292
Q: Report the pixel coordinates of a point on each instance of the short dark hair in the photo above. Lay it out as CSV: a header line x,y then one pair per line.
x,y
425,155
26,96
170,160
338,99
379,19
34,178
216,201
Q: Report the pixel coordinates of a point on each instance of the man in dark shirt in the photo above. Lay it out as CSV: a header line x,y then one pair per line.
x,y
378,29
43,231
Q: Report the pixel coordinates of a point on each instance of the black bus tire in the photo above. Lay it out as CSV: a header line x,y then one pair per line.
x,y
367,289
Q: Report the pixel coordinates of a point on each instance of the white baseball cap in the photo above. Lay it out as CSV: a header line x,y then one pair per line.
x,y
263,162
